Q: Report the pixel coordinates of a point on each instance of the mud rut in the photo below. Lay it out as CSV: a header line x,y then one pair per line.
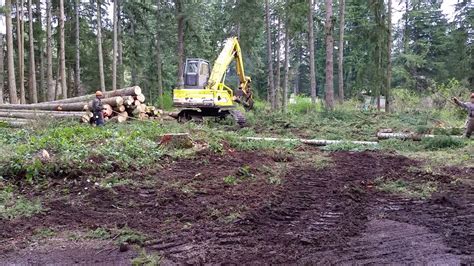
x,y
334,215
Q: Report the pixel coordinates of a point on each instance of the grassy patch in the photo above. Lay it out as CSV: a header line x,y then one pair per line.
x,y
442,142
99,233
408,189
148,259
12,206
349,146
42,233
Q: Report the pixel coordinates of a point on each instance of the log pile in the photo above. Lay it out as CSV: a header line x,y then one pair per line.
x,y
119,106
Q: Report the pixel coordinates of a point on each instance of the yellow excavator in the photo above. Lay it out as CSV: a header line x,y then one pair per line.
x,y
204,93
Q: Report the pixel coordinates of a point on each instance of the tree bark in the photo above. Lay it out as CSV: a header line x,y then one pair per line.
x,y
21,50
62,53
99,47
329,56
340,69
287,64
32,84
114,49
271,86
180,21
11,64
49,54
312,70
278,70
2,68
77,71
120,45
39,25
389,58
158,56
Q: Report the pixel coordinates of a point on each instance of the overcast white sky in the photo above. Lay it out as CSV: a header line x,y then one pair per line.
x,y
447,7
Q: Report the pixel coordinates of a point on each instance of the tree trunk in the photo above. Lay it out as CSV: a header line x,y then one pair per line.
x,y
287,60
271,86
278,70
33,94
2,68
77,71
340,69
114,49
312,70
49,54
62,53
99,47
21,49
158,56
389,58
120,81
180,21
10,59
329,56
39,25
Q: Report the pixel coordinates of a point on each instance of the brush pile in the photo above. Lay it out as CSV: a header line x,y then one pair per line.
x,y
120,105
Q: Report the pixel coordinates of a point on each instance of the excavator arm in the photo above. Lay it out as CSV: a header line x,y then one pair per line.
x,y
230,52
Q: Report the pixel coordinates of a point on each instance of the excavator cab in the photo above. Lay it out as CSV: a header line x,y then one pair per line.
x,y
196,73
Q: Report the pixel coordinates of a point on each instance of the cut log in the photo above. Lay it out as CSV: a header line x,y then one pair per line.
x,y
39,112
122,117
139,109
143,116
317,142
107,110
405,136
15,123
128,100
130,91
86,118
140,97
119,109
46,106
34,115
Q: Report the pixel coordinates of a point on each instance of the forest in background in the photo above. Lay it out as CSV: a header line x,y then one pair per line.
x,y
330,49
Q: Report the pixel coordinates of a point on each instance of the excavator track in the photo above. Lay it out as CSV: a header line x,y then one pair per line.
x,y
238,117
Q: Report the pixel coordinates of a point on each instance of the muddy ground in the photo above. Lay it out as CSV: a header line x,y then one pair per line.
x,y
254,207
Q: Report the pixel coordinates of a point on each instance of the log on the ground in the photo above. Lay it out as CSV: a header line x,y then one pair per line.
x,y
405,136
39,112
129,91
46,106
140,108
34,115
119,118
317,142
15,123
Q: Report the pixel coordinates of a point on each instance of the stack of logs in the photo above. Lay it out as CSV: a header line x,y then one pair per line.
x,y
119,106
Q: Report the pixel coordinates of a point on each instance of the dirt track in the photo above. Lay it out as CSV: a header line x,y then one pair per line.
x,y
330,215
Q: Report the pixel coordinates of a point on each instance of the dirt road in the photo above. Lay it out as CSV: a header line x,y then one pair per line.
x,y
250,207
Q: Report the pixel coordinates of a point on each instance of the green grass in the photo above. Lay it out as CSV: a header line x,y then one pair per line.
x,y
145,258
99,233
408,189
77,148
15,206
